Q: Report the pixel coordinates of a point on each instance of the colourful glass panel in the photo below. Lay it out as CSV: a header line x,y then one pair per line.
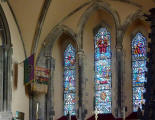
x,y
69,81
103,71
138,70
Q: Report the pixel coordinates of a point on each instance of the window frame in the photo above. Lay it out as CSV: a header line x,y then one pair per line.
x,y
95,31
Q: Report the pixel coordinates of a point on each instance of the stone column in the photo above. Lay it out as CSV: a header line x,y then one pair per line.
x,y
1,78
82,110
40,98
119,79
50,62
46,107
119,70
6,90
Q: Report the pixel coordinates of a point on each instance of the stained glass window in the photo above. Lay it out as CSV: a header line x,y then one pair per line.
x,y
103,75
138,70
69,81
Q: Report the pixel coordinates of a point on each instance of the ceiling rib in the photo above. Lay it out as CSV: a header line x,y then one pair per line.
x,y
40,25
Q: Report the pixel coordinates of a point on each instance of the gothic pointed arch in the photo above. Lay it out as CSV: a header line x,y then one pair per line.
x,y
135,34
54,35
138,15
64,53
103,6
53,48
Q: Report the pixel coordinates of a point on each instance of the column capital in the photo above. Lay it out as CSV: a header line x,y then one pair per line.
x,y
50,58
47,53
80,56
80,52
119,47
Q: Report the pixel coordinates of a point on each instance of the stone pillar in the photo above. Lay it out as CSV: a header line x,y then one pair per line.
x,y
50,100
1,78
149,107
8,73
119,70
40,98
5,86
82,110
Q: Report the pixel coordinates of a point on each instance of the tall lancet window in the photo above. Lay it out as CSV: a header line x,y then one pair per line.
x,y
138,70
69,81
103,75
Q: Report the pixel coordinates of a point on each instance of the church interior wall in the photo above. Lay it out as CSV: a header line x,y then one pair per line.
x,y
20,101
55,16
123,9
146,5
49,25
53,19
58,54
58,12
98,17
95,19
73,21
136,26
58,80
27,21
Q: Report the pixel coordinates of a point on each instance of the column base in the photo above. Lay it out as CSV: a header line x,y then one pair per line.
x,y
5,116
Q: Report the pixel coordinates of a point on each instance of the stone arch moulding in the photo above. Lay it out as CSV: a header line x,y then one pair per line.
x,y
141,30
127,36
54,35
130,19
96,6
102,24
46,55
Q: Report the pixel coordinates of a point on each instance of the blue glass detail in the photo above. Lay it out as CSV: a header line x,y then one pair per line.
x,y
69,81
139,58
103,75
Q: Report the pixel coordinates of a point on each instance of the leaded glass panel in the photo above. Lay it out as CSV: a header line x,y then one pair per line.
x,y
103,75
69,81
138,70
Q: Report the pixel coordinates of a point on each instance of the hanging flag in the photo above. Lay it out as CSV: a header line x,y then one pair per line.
x,y
40,84
29,70
42,75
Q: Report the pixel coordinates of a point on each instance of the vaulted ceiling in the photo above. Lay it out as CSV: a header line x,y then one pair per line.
x,y
37,17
